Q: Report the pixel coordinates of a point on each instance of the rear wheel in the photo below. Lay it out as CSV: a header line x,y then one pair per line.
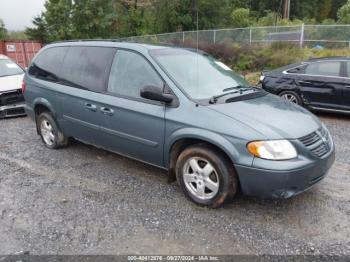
x,y
206,176
49,132
291,96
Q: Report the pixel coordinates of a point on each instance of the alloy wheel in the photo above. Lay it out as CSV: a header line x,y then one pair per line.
x,y
47,132
291,98
201,178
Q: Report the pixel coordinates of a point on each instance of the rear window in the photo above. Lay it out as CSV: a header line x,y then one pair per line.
x,y
87,67
48,64
9,68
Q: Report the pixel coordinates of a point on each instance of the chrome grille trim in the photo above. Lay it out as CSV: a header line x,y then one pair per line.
x,y
317,142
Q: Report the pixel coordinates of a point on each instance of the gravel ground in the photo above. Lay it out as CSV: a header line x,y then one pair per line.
x,y
83,200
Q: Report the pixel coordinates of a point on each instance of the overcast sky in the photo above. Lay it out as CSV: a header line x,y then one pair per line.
x,y
17,14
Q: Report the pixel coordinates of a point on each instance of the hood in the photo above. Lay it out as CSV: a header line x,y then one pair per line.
x,y
271,116
8,83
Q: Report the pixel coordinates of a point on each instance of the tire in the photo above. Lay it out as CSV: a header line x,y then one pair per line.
x,y
49,132
292,97
203,187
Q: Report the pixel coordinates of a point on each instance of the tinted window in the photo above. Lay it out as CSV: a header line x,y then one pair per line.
x,y
48,64
87,67
130,72
9,68
324,69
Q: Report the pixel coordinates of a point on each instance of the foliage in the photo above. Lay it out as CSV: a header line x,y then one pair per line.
x,y
3,31
244,59
58,18
91,19
40,32
17,35
68,19
240,17
344,13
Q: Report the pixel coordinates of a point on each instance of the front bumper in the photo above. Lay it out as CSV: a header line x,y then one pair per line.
x,y
12,110
11,103
267,183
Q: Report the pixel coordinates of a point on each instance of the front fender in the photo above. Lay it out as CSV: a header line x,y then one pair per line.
x,y
205,135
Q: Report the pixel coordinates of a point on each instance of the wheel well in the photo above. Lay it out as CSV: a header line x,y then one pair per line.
x,y
180,146
40,109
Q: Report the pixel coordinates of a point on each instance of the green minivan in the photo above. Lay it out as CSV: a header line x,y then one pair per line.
x,y
181,110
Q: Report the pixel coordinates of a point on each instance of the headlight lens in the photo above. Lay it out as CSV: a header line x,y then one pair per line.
x,y
262,77
272,149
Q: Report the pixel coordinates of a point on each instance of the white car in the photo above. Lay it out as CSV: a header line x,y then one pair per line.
x,y
11,97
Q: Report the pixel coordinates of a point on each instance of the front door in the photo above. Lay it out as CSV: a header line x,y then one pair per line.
x,y
134,126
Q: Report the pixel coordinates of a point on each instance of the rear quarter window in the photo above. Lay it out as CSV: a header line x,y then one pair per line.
x,y
87,67
48,64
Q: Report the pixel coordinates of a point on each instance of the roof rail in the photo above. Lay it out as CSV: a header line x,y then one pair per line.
x,y
328,57
86,40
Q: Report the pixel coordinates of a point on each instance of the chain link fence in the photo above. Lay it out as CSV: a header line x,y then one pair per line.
x,y
329,36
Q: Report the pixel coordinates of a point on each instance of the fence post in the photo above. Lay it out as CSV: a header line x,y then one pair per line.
x,y
183,37
250,35
302,36
214,36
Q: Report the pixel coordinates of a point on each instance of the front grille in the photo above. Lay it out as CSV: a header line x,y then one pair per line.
x,y
10,98
317,142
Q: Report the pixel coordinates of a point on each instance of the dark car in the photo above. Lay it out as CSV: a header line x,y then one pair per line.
x,y
321,84
180,110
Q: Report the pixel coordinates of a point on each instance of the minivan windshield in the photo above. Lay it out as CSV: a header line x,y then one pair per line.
x,y
9,68
199,75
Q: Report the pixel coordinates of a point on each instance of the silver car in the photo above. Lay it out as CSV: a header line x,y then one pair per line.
x,y
11,97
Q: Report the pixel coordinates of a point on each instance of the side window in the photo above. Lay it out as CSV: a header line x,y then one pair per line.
x,y
130,72
348,69
87,67
297,70
48,64
331,68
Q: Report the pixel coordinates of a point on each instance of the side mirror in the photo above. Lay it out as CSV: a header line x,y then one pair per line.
x,y
156,94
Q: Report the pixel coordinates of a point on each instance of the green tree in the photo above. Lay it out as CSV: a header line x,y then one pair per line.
x,y
40,30
179,15
3,30
344,14
58,16
241,17
92,19
134,17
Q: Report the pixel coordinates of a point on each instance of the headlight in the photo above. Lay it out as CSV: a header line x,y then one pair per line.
x,y
272,149
262,77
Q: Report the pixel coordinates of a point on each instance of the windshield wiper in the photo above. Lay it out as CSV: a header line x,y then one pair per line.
x,y
240,90
235,88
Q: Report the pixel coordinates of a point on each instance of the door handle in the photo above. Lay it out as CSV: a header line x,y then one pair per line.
x,y
107,111
91,107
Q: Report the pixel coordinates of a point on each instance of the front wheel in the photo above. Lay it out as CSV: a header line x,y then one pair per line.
x,y
292,97
206,176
